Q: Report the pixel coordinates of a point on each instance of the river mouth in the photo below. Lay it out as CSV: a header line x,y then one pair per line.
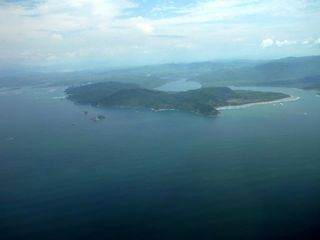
x,y
181,85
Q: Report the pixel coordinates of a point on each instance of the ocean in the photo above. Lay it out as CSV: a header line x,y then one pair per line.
x,y
248,173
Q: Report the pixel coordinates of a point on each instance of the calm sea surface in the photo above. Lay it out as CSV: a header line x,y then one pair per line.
x,y
250,173
179,86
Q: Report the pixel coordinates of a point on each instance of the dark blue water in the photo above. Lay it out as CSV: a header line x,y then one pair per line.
x,y
251,173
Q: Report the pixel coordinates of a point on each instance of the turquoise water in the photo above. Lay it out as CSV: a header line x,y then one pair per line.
x,y
250,173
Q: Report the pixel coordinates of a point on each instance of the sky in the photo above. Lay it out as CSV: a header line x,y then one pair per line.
x,y
139,32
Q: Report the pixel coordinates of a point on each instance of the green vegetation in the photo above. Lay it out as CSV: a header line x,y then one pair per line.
x,y
283,72
300,72
312,82
201,101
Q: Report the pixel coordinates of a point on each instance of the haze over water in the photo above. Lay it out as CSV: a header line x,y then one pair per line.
x,y
250,173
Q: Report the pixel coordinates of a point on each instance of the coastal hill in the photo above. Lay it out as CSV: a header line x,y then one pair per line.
x,y
203,101
301,72
297,72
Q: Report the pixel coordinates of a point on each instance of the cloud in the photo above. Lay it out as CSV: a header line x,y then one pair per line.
x,y
285,43
67,15
163,9
206,11
306,42
145,27
267,43
109,29
170,36
57,36
311,41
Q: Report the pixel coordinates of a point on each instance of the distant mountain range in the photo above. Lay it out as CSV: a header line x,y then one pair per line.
x,y
285,72
302,72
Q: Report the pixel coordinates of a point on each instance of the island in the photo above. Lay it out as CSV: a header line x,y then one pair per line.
x,y
204,101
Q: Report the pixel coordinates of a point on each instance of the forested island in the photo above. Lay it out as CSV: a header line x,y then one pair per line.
x,y
204,101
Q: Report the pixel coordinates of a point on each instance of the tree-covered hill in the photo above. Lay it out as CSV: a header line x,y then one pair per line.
x,y
201,101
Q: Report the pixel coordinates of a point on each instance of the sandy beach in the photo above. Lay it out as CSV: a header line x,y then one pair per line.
x,y
289,99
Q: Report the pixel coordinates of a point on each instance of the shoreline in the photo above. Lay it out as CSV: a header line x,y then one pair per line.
x,y
288,99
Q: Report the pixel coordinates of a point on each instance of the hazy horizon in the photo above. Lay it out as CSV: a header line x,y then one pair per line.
x,y
101,66
138,32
